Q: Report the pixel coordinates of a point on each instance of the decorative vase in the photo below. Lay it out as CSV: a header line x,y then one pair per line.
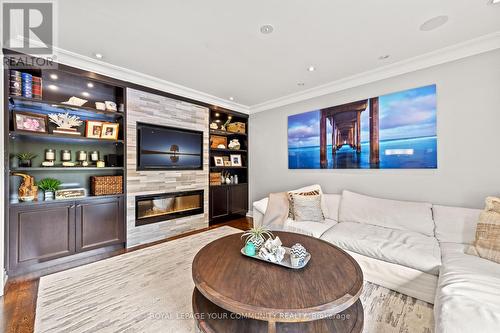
x,y
234,144
250,249
295,261
299,252
48,195
257,242
25,163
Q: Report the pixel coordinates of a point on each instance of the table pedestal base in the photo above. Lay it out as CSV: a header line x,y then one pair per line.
x,y
211,318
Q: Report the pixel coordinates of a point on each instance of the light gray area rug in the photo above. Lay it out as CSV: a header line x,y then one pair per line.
x,y
150,290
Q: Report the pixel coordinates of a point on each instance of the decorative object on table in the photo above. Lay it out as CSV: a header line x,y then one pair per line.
x,y
94,156
100,106
298,253
214,125
257,236
272,250
236,179
235,160
82,157
37,87
227,163
75,101
221,146
225,177
236,127
30,122
50,157
110,131
234,144
28,191
216,140
15,83
27,85
100,164
49,186
249,249
219,161
66,123
106,185
25,159
65,155
113,160
215,178
70,193
110,106
93,129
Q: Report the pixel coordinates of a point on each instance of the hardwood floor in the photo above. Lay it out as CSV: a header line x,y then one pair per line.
x,y
18,305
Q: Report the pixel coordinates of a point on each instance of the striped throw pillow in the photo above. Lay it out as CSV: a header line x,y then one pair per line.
x,y
487,242
307,208
290,199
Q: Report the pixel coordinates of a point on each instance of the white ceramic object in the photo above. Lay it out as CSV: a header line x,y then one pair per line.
x,y
110,106
75,101
100,106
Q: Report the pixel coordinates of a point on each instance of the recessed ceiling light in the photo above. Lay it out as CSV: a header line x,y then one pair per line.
x,y
231,98
311,68
383,57
267,29
53,76
98,55
52,87
300,84
86,94
90,85
434,23
217,114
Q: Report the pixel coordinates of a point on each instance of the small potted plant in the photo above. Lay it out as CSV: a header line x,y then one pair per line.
x,y
49,186
25,159
257,236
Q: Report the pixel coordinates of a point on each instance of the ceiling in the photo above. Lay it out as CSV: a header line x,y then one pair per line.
x,y
216,46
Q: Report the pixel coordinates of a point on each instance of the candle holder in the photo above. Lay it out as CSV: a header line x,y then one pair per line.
x,y
82,158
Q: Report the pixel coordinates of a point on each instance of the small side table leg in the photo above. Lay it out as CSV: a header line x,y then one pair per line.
x,y
271,328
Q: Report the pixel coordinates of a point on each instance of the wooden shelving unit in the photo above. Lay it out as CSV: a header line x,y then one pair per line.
x,y
43,233
228,200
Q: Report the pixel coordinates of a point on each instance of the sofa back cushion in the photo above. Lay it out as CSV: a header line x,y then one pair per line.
x,y
332,202
455,224
401,215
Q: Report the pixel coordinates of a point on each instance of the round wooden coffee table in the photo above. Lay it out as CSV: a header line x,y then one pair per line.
x,y
235,293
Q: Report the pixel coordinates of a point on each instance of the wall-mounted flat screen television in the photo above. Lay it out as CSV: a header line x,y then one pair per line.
x,y
168,148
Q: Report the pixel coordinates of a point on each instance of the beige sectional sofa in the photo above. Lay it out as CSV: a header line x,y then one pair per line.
x,y
416,249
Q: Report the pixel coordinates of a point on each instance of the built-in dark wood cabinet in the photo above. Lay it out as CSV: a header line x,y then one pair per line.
x,y
42,233
228,200
219,202
238,199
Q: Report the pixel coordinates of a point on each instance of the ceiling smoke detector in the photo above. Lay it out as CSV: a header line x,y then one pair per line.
x,y
266,29
434,23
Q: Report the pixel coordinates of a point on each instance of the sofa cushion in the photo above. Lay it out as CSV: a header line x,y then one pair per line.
x,y
468,293
406,248
311,188
315,229
402,215
455,224
332,202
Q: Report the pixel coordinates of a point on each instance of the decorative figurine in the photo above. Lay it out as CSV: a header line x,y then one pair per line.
x,y
297,254
66,124
28,191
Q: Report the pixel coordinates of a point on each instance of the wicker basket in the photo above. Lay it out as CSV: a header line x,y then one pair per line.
x,y
106,185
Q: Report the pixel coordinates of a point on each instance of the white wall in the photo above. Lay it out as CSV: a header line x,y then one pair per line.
x,y
468,125
2,202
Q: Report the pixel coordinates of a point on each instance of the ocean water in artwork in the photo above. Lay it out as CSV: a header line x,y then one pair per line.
x,y
407,135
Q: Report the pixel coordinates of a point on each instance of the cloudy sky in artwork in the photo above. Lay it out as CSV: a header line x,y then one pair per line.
x,y
406,114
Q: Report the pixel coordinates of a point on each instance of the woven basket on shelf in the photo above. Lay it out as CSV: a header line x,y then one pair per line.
x,y
106,185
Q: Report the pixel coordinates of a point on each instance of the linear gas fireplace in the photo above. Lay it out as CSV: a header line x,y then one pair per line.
x,y
167,206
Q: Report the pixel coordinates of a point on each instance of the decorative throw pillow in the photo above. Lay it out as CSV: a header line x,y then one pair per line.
x,y
487,242
290,196
307,208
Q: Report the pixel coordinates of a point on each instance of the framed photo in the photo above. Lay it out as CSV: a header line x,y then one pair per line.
x,y
227,163
110,131
219,161
93,129
235,160
30,122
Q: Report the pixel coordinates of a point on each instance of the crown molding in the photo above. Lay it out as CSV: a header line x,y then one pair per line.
x,y
466,49
87,63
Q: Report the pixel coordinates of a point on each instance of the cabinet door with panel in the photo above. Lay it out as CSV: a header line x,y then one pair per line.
x,y
238,199
219,201
99,223
40,233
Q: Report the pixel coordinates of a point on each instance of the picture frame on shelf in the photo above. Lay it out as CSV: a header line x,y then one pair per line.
x,y
93,129
227,163
110,131
219,161
236,160
30,122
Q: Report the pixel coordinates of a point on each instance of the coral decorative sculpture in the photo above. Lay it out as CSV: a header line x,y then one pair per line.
x,y
64,120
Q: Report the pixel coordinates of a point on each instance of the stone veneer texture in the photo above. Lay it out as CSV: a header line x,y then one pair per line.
x,y
158,110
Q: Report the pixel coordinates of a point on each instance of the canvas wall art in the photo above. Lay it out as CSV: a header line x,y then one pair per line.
x,y
394,131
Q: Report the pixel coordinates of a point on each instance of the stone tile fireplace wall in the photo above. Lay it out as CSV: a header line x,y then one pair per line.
x,y
154,109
